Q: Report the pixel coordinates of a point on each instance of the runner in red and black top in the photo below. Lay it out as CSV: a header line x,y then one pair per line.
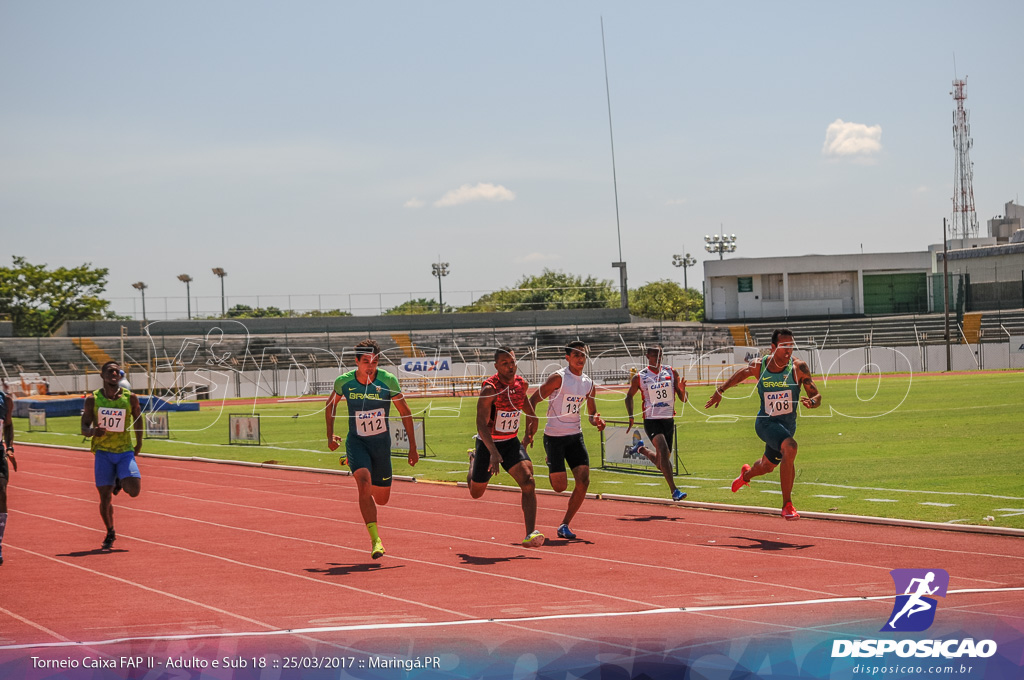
x,y
498,413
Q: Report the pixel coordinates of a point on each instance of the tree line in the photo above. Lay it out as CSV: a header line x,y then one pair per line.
x,y
38,299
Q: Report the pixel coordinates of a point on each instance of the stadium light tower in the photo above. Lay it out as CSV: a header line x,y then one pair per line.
x,y
186,279
221,273
439,269
141,287
684,261
720,244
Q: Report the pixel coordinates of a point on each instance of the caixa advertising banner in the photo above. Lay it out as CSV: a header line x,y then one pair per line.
x,y
427,367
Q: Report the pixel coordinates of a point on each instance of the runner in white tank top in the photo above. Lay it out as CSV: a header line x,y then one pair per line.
x,y
567,390
658,386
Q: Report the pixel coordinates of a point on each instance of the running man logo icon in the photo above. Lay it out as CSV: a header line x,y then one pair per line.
x,y
913,611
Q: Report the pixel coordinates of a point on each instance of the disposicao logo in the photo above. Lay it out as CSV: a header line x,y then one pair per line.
x,y
914,611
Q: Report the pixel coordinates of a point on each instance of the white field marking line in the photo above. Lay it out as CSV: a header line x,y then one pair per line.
x,y
134,584
819,495
500,621
880,500
940,505
603,516
575,591
427,512
35,625
278,571
489,543
697,479
188,443
434,533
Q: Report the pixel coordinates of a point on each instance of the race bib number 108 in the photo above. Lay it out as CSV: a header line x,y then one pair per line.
x,y
778,403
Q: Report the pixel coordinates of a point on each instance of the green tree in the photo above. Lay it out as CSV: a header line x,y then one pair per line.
x,y
324,312
666,300
418,306
548,290
247,312
38,300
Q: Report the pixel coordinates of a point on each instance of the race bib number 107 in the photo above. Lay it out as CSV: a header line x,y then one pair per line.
x,y
112,419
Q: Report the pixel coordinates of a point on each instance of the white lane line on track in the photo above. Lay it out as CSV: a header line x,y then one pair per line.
x,y
35,625
435,534
320,630
278,571
175,466
698,479
779,555
134,584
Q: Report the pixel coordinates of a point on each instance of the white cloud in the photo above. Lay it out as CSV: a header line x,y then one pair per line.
x,y
414,203
537,257
478,192
843,140
676,201
922,189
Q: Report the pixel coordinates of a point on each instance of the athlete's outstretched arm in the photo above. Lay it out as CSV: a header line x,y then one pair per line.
x,y
750,371
403,410
803,372
634,387
329,412
483,425
595,418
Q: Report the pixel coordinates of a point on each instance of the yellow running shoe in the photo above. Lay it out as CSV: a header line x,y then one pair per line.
x,y
378,550
534,540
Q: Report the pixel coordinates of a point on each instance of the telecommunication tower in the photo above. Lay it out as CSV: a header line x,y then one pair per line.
x,y
965,220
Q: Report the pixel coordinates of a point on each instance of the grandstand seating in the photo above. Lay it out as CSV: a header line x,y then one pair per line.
x,y
69,356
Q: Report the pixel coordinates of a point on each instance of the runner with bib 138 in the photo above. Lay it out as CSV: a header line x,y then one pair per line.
x,y
779,379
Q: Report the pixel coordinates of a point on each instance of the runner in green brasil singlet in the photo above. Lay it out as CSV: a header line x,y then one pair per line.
x,y
779,379
369,393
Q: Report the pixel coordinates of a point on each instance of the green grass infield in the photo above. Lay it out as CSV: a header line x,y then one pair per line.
x,y
927,447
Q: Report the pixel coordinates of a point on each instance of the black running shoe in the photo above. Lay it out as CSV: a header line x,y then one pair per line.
x,y
108,542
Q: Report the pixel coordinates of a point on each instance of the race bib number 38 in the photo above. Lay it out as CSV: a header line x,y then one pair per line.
x,y
369,423
112,419
778,403
506,421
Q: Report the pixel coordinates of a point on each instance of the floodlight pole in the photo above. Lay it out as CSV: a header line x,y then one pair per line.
x,y
141,287
945,295
186,279
685,261
221,273
439,269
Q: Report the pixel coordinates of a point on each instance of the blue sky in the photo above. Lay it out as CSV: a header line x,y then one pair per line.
x,y
338,148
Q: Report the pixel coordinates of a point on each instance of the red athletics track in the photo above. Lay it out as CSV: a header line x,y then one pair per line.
x,y
236,555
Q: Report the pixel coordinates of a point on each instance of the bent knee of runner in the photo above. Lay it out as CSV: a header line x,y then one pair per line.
x,y
559,481
789,448
381,494
476,489
582,478
132,486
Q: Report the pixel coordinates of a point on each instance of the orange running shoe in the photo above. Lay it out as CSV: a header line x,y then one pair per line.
x,y
789,512
738,483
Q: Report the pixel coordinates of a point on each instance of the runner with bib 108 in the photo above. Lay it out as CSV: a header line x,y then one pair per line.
x,y
779,379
